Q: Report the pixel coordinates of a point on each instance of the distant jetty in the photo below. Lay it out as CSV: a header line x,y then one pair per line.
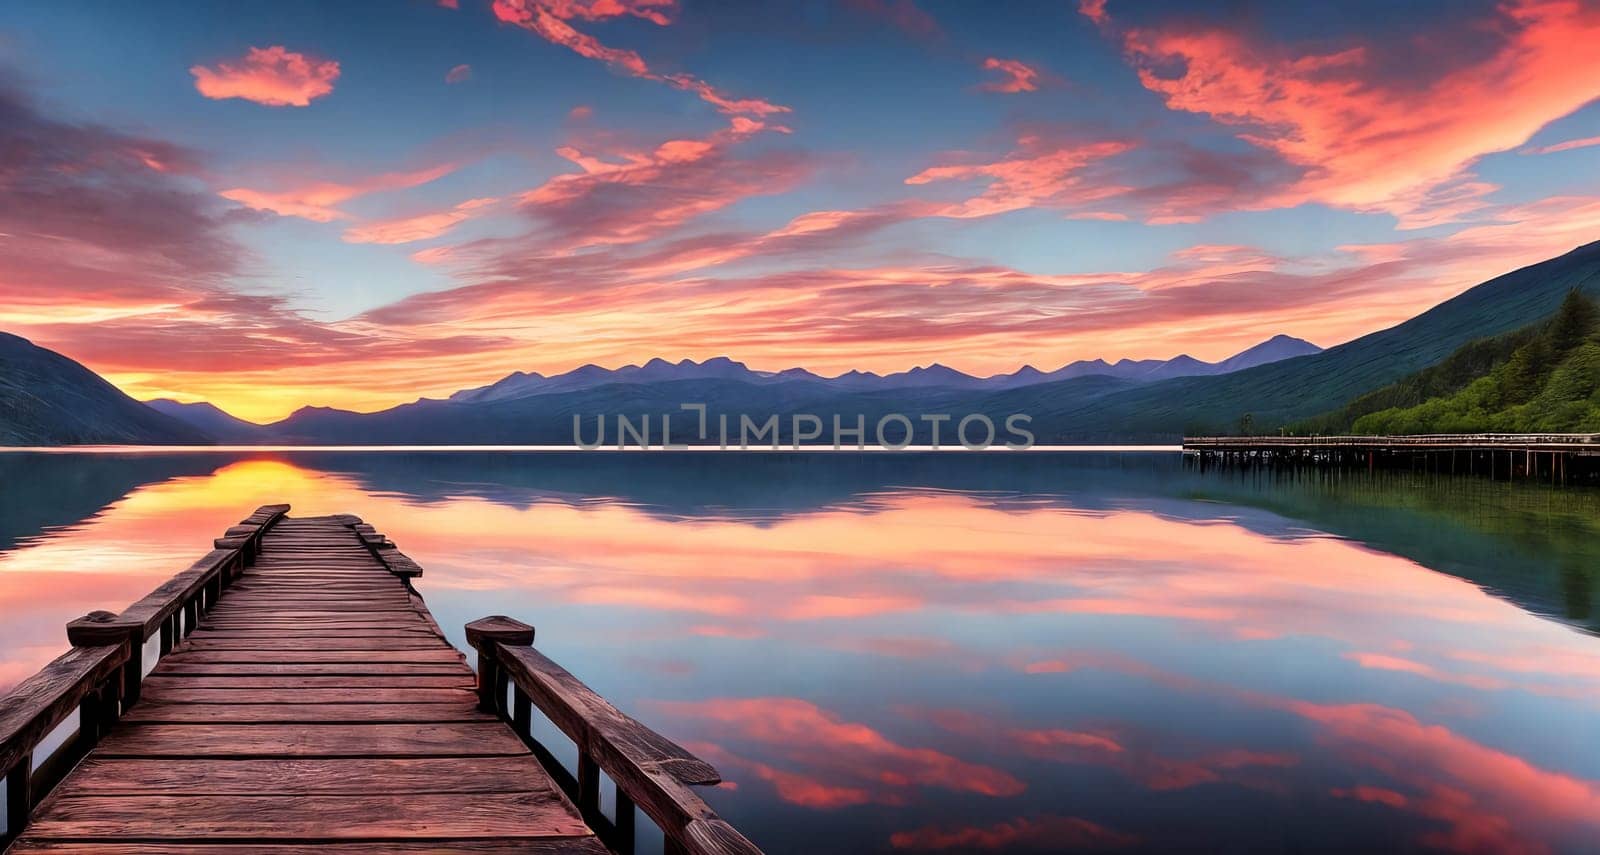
x,y
1555,458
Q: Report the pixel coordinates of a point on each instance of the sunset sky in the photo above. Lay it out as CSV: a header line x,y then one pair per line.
x,y
267,205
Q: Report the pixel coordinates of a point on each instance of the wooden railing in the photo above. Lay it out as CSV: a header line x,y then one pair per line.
x,y
101,675
649,770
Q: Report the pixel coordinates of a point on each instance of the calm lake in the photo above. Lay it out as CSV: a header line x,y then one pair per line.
x,y
964,652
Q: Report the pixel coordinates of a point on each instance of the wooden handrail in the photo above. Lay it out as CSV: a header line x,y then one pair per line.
x,y
100,676
649,770
84,680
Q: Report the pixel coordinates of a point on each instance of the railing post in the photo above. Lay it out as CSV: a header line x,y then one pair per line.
x,y
625,821
19,798
100,628
588,786
482,635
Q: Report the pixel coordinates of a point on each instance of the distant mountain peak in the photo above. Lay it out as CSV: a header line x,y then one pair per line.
x,y
657,369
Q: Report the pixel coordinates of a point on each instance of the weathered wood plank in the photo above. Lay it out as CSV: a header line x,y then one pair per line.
x,y
307,669
260,818
403,633
301,776
308,696
278,655
187,713
450,739
423,642
158,681
550,846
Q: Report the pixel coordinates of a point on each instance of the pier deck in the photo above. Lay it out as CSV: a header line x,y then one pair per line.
x,y
307,701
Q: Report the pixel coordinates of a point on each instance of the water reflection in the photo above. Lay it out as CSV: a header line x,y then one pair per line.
x,y
961,653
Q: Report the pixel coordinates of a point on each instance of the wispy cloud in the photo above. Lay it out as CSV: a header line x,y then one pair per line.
x,y
551,20
318,201
419,226
1569,145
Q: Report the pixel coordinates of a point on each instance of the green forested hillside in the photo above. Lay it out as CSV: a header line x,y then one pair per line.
x,y
1540,378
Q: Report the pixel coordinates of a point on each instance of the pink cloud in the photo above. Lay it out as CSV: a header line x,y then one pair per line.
x,y
1129,754
627,195
450,4
1488,799
1041,172
460,74
904,15
1368,142
1569,145
1389,662
419,227
318,200
550,20
275,76
1094,10
1017,76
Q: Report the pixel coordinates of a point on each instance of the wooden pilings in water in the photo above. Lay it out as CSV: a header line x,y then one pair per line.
x,y
1557,459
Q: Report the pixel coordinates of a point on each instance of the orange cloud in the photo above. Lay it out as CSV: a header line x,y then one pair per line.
x,y
1367,142
1018,76
275,76
419,227
318,200
460,74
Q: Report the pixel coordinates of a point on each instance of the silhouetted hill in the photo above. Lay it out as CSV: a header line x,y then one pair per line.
x,y
47,399
211,420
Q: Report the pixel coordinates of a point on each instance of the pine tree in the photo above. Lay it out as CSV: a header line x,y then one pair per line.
x,y
1573,322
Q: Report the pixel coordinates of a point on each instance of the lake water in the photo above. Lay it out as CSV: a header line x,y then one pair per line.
x,y
964,652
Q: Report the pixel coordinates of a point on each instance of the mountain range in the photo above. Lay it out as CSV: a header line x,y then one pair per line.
x,y
521,384
1276,382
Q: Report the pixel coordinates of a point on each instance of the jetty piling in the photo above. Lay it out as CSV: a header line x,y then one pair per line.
x,y
290,692
1560,459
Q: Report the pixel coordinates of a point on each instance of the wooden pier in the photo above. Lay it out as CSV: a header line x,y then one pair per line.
x,y
1569,458
302,699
